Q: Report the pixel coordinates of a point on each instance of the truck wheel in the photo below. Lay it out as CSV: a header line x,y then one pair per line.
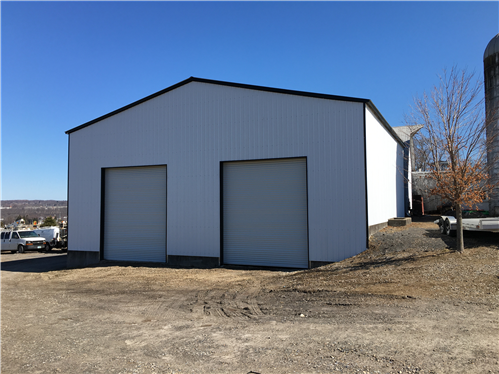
x,y
20,248
47,248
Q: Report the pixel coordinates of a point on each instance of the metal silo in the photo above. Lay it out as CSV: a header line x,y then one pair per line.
x,y
491,73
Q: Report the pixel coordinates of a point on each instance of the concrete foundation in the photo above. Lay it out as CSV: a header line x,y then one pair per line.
x,y
79,259
316,264
397,222
375,228
194,261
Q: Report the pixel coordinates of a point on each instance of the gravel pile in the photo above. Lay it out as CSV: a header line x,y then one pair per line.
x,y
422,235
418,237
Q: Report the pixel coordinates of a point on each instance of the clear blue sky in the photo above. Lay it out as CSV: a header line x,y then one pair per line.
x,y
66,63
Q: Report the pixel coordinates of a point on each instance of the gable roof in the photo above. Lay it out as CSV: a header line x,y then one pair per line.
x,y
249,87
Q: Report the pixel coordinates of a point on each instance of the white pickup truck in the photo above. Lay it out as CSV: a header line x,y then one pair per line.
x,y
22,240
448,224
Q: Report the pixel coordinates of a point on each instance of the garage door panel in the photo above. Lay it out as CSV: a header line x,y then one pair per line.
x,y
265,213
135,214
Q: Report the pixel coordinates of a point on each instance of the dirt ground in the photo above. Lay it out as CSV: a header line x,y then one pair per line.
x,y
408,304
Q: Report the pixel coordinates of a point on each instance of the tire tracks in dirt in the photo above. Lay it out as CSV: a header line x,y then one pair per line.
x,y
227,304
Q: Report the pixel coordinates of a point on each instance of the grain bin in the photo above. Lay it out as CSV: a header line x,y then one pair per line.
x,y
491,73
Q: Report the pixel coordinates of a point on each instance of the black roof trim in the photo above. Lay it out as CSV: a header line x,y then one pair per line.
x,y
385,124
222,83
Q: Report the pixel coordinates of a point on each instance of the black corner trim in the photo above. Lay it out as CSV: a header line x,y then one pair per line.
x,y
221,191
366,191
67,189
102,210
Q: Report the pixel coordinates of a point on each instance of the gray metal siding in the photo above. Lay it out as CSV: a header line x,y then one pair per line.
x,y
265,213
195,127
135,214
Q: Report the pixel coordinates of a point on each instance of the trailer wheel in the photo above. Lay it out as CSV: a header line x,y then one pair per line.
x,y
441,226
447,229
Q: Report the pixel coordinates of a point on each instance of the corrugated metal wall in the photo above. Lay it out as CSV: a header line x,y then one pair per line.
x,y
385,173
195,127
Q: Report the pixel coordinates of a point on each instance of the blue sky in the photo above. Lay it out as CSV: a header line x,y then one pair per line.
x,y
66,63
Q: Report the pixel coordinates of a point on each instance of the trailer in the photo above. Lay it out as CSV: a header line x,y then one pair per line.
x,y
448,224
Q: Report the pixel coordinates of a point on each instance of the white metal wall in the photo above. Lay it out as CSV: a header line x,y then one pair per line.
x,y
409,179
385,173
195,127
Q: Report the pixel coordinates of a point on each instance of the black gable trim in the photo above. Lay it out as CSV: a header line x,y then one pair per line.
x,y
129,105
280,90
385,124
222,83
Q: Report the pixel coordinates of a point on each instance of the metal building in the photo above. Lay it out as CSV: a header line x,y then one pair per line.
x,y
207,172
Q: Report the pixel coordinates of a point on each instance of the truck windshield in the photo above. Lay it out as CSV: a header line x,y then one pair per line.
x,y
28,234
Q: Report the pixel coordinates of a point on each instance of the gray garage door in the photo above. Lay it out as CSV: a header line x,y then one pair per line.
x,y
135,214
265,213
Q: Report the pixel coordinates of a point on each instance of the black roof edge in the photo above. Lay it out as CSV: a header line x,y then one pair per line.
x,y
129,105
385,124
238,85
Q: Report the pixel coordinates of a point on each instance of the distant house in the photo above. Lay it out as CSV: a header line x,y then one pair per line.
x,y
206,173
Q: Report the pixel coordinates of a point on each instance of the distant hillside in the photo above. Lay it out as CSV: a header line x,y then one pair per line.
x,y
33,210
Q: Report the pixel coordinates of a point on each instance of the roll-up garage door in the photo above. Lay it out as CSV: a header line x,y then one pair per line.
x,y
265,213
135,214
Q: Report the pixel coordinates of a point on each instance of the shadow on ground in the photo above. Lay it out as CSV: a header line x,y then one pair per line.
x,y
374,263
472,239
36,265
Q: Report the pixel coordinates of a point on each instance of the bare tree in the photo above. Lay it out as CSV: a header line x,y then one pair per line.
x,y
454,139
421,153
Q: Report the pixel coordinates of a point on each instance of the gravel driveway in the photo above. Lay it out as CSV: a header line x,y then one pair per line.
x,y
406,305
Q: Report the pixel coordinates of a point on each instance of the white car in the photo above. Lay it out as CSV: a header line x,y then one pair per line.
x,y
22,240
